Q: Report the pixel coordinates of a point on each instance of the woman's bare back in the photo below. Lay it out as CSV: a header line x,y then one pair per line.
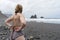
x,y
16,20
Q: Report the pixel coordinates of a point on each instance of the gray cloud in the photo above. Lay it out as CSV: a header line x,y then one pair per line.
x,y
46,8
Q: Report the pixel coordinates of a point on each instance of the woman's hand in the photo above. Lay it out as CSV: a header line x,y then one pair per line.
x,y
17,28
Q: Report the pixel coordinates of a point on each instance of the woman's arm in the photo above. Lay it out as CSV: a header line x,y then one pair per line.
x,y
7,21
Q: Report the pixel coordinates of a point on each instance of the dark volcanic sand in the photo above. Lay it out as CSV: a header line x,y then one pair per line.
x,y
39,31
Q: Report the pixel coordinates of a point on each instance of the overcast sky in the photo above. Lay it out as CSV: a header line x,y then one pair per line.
x,y
46,8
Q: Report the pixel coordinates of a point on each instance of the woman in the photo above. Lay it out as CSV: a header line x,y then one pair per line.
x,y
18,23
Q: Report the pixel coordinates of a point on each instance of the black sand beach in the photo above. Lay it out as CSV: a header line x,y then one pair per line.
x,y
38,31
45,31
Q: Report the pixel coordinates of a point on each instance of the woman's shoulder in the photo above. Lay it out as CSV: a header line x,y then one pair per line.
x,y
20,14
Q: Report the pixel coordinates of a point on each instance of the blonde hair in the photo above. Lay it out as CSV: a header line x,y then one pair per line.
x,y
18,9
